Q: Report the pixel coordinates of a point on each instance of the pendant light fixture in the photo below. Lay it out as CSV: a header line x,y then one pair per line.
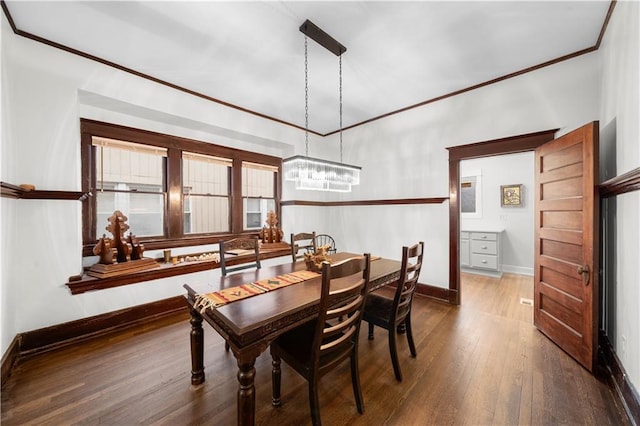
x,y
313,173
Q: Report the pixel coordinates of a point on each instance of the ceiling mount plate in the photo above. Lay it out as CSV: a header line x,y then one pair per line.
x,y
314,32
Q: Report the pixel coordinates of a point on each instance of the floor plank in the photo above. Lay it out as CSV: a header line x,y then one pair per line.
x,y
482,363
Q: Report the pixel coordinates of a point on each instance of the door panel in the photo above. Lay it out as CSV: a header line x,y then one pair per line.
x,y
566,263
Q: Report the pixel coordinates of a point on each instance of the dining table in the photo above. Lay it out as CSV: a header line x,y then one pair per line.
x,y
250,324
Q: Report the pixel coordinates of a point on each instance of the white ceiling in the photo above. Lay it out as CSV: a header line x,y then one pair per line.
x,y
251,54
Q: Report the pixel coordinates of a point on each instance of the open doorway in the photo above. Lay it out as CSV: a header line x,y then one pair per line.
x,y
566,226
515,144
497,219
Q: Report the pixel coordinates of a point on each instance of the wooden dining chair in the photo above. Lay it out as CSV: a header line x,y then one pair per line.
x,y
316,347
393,313
302,243
326,240
240,247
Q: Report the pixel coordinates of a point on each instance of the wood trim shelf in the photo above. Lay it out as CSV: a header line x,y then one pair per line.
x,y
85,283
13,191
626,182
432,200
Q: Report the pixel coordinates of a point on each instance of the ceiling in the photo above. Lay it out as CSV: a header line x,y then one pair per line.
x,y
251,54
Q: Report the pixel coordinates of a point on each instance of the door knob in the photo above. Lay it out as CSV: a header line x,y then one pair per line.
x,y
584,271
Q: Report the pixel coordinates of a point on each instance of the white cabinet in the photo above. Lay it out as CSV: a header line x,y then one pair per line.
x,y
465,253
481,252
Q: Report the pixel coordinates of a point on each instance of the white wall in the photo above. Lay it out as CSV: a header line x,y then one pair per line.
x,y
45,92
517,222
405,156
620,87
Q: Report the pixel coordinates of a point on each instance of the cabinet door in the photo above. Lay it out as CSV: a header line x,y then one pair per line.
x,y
465,259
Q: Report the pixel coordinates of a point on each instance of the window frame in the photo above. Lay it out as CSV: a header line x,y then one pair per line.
x,y
174,235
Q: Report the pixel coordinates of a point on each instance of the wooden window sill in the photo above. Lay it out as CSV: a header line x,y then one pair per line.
x,y
86,283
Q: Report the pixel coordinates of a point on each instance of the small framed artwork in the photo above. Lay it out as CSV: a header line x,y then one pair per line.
x,y
511,195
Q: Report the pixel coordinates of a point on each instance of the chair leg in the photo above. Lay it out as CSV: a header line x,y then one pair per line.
x,y
314,402
226,346
276,374
412,346
355,381
393,349
370,330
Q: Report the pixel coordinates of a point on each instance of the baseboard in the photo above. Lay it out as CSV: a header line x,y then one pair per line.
x,y
10,357
520,270
439,293
479,271
56,336
621,384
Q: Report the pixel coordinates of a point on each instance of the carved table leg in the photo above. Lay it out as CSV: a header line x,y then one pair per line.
x,y
197,348
246,392
276,373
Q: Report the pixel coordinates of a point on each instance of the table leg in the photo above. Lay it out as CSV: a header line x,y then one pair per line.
x,y
197,348
246,391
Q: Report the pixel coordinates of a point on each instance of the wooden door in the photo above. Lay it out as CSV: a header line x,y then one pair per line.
x,y
566,243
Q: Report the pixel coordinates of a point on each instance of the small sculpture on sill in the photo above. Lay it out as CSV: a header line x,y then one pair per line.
x,y
119,255
118,226
271,234
104,249
313,261
138,248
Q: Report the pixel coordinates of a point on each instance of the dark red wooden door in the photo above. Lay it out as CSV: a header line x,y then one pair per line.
x,y
566,243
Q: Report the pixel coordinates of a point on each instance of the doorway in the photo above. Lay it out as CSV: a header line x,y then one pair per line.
x,y
510,145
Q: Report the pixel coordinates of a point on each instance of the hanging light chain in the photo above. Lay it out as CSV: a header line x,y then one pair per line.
x,y
306,99
340,73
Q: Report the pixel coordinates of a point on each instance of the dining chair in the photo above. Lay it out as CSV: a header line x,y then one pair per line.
x,y
316,347
326,240
302,243
390,313
240,247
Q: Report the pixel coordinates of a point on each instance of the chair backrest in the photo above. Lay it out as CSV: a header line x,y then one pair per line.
x,y
341,306
240,247
302,243
409,273
326,240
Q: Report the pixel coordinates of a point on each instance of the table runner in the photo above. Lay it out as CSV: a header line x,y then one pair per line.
x,y
222,297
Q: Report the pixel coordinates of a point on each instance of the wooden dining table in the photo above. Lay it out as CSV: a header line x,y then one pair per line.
x,y
249,325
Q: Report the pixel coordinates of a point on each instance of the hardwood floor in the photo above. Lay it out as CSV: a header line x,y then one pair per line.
x,y
482,363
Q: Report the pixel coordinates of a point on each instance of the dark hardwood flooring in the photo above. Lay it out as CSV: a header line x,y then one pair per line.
x,y
482,363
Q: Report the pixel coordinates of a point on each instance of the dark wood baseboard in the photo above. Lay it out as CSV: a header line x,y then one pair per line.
x,y
433,292
56,336
621,385
10,357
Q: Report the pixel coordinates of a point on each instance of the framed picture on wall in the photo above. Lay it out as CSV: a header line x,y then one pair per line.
x,y
511,195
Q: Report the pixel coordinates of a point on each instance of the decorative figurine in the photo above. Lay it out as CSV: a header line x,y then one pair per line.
x,y
118,226
119,255
138,248
108,255
272,234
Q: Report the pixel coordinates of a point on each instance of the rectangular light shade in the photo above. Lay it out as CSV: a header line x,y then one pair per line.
x,y
320,175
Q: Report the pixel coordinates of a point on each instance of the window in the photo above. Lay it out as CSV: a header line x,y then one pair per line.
x,y
174,191
129,178
471,195
205,187
258,189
